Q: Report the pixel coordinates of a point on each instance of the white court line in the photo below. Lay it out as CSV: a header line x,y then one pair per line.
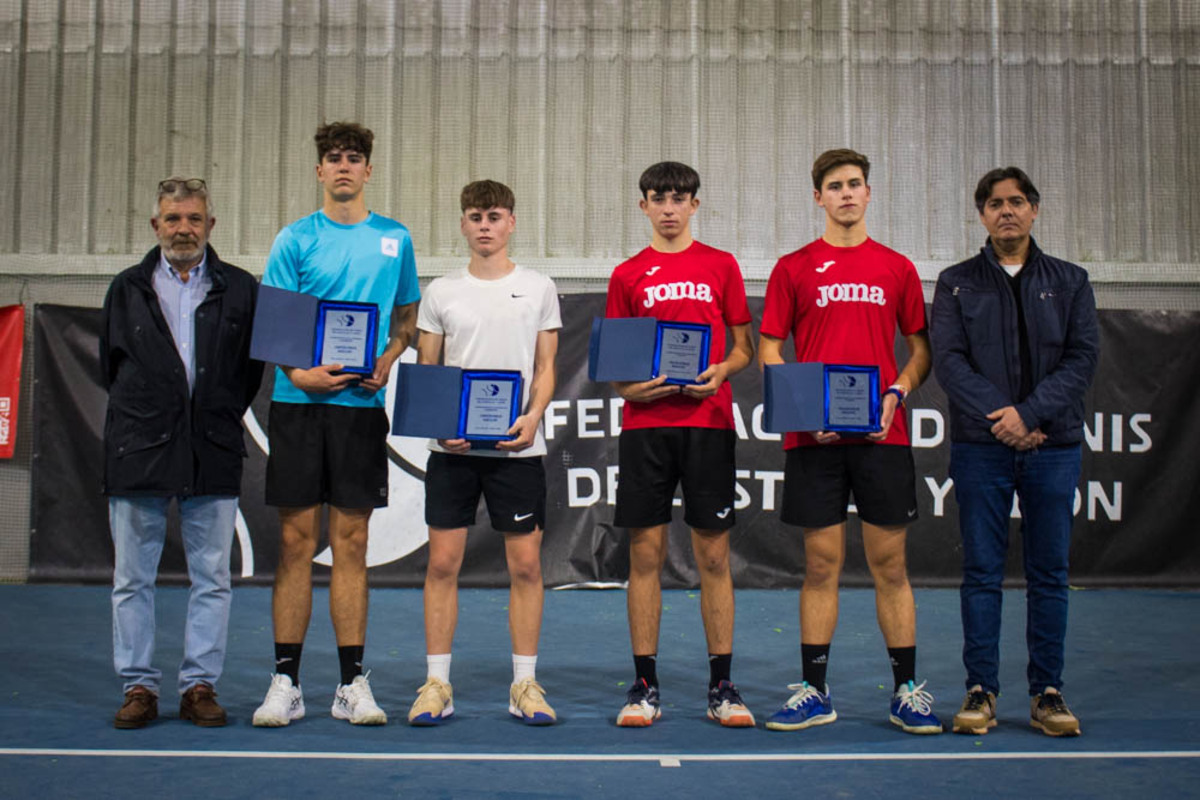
x,y
663,759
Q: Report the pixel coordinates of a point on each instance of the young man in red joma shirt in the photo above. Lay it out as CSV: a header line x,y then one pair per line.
x,y
674,434
841,298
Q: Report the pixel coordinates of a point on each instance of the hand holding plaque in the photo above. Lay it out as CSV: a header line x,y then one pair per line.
x,y
681,351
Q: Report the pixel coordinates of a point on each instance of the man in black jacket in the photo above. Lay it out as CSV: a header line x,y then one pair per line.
x,y
1015,344
174,350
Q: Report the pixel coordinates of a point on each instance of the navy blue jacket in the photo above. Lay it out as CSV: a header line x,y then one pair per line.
x,y
976,353
158,439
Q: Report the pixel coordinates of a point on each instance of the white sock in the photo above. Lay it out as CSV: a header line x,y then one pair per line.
x,y
524,667
438,666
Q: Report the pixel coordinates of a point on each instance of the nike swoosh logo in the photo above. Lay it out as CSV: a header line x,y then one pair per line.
x,y
522,517
826,266
518,295
653,270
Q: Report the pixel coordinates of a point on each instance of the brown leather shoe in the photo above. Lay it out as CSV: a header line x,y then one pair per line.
x,y
139,708
199,704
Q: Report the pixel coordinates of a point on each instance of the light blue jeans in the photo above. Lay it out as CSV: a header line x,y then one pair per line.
x,y
139,528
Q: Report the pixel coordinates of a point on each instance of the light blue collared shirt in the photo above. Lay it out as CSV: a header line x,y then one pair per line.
x,y
179,301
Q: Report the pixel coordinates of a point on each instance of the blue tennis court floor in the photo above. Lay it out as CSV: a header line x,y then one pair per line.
x,y
1132,661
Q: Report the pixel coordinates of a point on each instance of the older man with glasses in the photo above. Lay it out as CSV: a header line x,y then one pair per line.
x,y
174,351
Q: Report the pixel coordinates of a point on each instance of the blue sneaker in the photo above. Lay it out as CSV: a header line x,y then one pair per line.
x,y
804,709
912,710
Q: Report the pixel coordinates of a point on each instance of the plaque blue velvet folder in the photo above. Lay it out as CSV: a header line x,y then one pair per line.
x,y
797,397
622,349
631,349
436,402
290,328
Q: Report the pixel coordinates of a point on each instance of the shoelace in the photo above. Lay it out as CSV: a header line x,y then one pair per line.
x,y
975,701
277,690
916,698
1053,703
728,693
531,690
803,692
638,693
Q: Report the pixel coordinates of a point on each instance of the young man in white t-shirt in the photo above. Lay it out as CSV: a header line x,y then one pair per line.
x,y
493,315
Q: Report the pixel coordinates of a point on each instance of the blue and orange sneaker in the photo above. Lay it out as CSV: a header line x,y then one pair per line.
x,y
641,707
912,710
726,707
804,709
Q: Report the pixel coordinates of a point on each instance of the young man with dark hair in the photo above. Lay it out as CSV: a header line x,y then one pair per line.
x,y
492,315
328,428
672,434
841,298
1015,345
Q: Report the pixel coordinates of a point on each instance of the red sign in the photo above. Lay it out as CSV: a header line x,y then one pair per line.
x,y
12,344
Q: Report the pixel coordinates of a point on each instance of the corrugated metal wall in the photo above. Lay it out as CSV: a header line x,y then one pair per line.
x,y
567,101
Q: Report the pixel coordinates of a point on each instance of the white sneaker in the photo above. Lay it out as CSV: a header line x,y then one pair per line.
x,y
283,704
354,702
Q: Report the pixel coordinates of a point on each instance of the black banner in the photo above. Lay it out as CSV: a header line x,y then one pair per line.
x,y
1135,506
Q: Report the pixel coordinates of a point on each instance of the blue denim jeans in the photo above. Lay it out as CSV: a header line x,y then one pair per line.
x,y
985,477
139,528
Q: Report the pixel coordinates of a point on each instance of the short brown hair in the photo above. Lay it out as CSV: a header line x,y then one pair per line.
x,y
344,136
487,194
832,159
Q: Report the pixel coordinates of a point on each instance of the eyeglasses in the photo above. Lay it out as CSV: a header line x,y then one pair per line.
x,y
172,185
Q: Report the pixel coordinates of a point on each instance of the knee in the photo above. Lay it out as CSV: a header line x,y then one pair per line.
x,y
296,545
890,572
713,561
442,567
821,569
525,570
349,544
646,556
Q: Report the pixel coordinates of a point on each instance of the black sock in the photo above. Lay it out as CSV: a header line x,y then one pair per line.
x,y
814,660
350,658
287,660
719,665
646,668
904,664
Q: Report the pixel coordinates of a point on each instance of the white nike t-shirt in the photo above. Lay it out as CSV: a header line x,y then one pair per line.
x,y
492,325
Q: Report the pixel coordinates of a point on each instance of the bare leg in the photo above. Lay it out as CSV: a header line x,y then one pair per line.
x,y
711,549
446,549
348,578
291,601
894,605
525,594
647,553
824,554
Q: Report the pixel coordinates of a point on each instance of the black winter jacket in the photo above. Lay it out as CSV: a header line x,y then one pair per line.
x,y
976,351
157,439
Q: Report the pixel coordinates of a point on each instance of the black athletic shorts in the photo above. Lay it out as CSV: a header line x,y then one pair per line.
x,y
514,489
323,453
654,460
819,479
